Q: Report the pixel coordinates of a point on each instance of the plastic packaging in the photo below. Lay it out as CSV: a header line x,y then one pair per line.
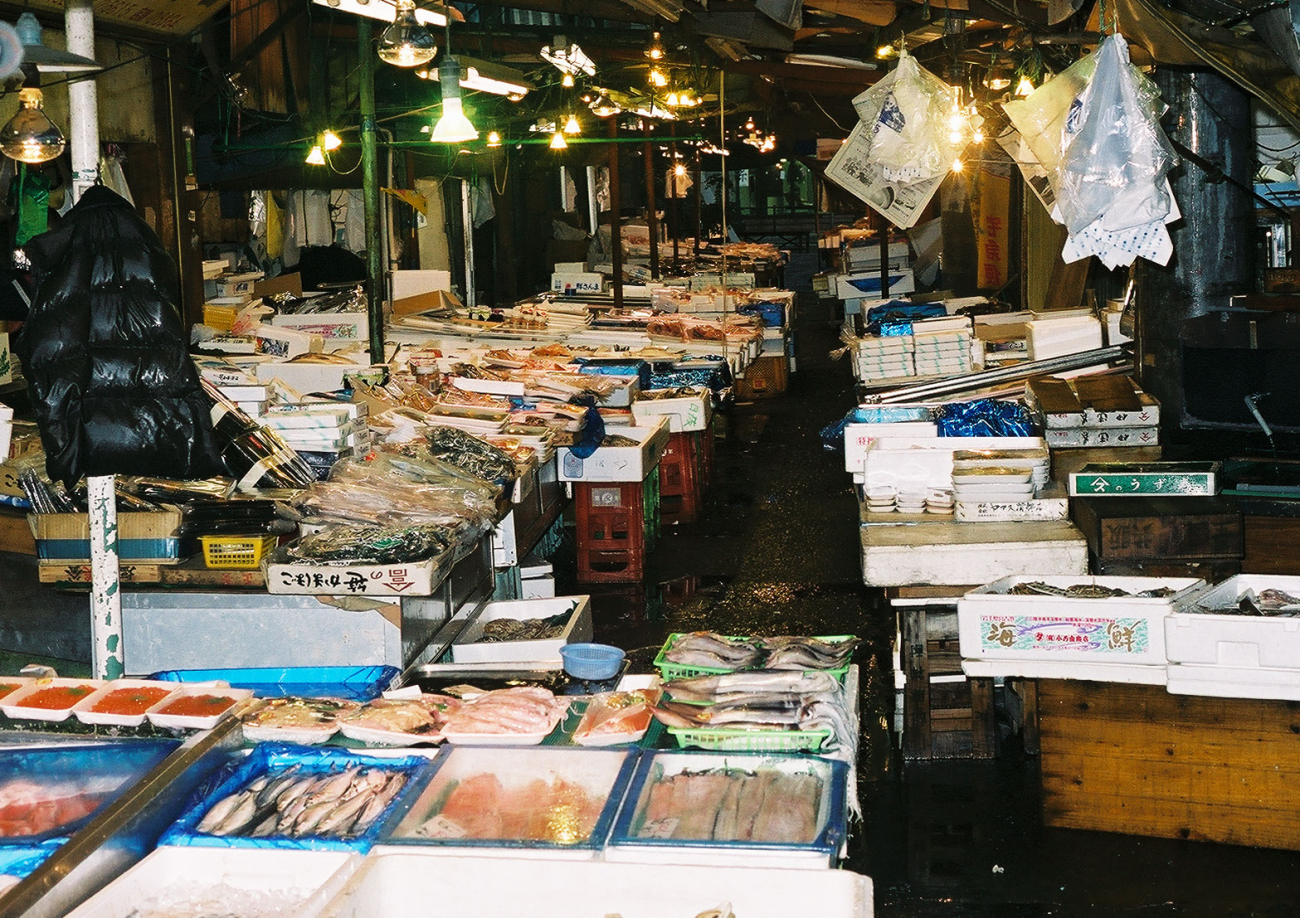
x,y
985,417
467,451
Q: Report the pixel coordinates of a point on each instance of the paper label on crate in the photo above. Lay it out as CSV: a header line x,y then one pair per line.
x,y
440,827
660,828
394,579
1104,636
1179,484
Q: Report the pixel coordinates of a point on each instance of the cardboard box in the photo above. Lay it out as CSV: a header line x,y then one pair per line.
x,y
6,363
1168,479
415,578
687,413
335,329
140,536
618,463
287,342
238,284
283,283
1078,437
467,648
423,302
1091,401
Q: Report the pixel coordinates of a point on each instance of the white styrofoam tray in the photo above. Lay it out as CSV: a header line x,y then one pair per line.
x,y
390,884
928,461
202,880
467,648
1230,640
995,624
1233,681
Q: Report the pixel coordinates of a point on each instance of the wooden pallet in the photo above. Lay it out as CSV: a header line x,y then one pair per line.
x,y
1137,760
946,719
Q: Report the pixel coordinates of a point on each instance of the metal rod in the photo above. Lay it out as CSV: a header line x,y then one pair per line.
x,y
651,212
106,589
972,381
467,231
83,108
677,199
370,191
615,221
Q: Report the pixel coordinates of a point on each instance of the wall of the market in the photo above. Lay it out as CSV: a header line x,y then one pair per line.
x,y
125,90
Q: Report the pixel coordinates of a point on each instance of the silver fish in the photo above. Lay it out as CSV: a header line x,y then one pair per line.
x,y
218,812
345,814
242,816
379,803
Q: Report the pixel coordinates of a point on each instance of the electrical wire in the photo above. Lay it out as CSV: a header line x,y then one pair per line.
x,y
828,115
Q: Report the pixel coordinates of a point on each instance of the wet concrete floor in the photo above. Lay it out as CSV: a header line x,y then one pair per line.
x,y
776,550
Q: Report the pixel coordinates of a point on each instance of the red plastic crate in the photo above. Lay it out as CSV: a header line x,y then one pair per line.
x,y
611,532
679,480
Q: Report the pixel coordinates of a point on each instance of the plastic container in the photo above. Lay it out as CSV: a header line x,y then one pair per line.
x,y
160,717
592,662
717,739
355,683
236,553
86,713
1200,635
72,691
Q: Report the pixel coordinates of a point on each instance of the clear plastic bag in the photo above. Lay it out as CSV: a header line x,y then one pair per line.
x,y
1115,154
906,115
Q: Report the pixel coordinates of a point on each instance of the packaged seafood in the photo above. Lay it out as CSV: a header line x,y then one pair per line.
x,y
290,719
47,792
732,810
355,683
197,707
571,622
612,718
556,801
521,716
398,721
122,702
173,881
11,684
706,653
48,699
471,454
397,883
289,796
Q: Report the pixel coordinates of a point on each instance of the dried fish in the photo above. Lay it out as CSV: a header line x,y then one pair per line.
x,y
524,629
1084,591
351,544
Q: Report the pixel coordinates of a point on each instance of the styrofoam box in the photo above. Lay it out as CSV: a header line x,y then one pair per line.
x,y
859,437
311,377
389,884
690,412
867,283
617,463
1130,673
336,329
995,624
412,578
1233,681
578,629
295,884
927,461
537,587
1239,641
583,282
625,391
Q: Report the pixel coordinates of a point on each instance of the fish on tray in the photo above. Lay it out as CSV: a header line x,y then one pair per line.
x,y
423,716
768,805
717,651
541,810
292,712
524,709
613,717
807,653
30,808
296,804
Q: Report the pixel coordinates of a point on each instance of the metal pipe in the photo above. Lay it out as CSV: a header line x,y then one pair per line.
x,y
83,108
973,381
467,233
651,213
370,192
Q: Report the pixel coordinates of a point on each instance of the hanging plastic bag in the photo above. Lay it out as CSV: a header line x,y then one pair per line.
x,y
1114,150
906,116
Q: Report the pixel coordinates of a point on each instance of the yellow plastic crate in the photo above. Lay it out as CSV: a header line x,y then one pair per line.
x,y
242,553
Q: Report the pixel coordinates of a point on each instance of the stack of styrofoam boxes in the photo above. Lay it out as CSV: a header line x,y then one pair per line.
x,y
890,357
1215,650
1036,635
321,433
942,346
235,384
1067,332
536,578
871,422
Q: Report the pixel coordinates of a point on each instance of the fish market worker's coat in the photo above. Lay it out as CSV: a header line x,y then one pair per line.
x,y
104,351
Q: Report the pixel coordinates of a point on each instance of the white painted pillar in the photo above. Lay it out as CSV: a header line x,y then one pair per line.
x,y
83,105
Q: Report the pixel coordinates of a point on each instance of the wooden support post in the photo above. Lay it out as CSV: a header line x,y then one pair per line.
x,y
615,221
370,193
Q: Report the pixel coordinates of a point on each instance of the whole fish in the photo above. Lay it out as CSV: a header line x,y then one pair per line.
x,y
219,812
704,648
243,815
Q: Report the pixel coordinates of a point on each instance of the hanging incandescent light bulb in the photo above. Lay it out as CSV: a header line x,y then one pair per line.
x,y
30,136
406,43
1024,87
567,80
571,126
316,156
453,126
558,142
656,49
493,139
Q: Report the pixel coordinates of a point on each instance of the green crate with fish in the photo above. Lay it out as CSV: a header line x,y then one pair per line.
x,y
765,710
704,653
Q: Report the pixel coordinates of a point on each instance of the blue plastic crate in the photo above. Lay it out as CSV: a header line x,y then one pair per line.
x,y
355,683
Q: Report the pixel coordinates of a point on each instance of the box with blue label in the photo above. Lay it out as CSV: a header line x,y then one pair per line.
x,y
618,463
140,536
867,284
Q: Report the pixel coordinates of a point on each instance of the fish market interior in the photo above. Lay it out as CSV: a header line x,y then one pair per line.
x,y
649,458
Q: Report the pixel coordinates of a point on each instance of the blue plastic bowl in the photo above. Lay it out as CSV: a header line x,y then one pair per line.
x,y
592,662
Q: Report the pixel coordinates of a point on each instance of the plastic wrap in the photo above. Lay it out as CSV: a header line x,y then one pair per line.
x,y
896,316
906,113
467,451
986,417
1115,151
371,544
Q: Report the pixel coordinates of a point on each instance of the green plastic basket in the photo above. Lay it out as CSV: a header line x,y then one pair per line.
x,y
717,739
669,670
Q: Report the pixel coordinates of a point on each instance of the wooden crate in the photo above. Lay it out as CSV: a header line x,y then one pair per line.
x,y
1125,529
952,718
1137,760
1272,545
1209,571
1065,461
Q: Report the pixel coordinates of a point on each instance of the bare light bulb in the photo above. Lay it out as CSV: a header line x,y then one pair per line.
x,y
30,136
571,126
1024,87
493,139
406,43
316,157
330,141
567,81
558,142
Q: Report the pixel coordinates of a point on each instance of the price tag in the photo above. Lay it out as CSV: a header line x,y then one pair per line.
x,y
441,827
660,828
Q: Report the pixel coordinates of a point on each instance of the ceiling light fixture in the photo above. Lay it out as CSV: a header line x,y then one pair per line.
x,y
558,142
493,139
656,49
571,126
30,136
45,59
485,76
567,59
453,126
406,43
329,141
316,156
